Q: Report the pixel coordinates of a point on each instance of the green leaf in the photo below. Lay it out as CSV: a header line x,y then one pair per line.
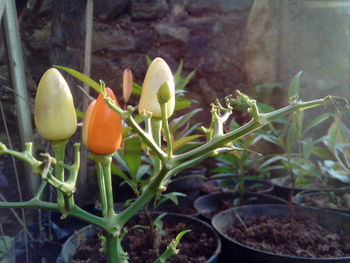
x,y
183,141
181,121
264,108
182,103
171,248
294,87
180,235
332,135
5,244
158,223
132,155
172,197
148,60
136,89
322,153
142,171
317,121
79,113
179,70
93,84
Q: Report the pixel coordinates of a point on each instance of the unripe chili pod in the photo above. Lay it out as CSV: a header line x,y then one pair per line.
x,y
102,127
157,74
54,112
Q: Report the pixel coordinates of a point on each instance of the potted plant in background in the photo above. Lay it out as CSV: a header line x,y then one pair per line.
x,y
284,233
295,164
237,180
102,136
337,167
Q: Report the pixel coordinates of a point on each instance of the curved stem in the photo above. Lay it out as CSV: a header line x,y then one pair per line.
x,y
146,195
131,121
40,190
254,124
76,211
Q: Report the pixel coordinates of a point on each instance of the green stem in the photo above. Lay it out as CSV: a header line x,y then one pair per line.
x,y
132,123
40,190
114,250
105,162
76,211
252,125
157,135
25,156
101,189
147,194
163,107
59,148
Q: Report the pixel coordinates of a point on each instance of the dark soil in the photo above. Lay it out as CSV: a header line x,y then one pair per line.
x,y
301,238
329,200
195,247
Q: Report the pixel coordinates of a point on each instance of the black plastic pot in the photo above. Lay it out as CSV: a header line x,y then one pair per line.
x,y
186,208
70,246
282,189
234,251
227,184
208,205
300,198
188,182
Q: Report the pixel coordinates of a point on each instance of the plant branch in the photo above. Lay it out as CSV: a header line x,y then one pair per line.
x,y
254,124
127,117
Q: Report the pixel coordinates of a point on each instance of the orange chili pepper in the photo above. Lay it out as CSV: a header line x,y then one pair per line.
x,y
102,127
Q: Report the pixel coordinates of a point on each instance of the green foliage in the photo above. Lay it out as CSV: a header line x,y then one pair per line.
x,y
5,244
294,87
338,143
85,79
171,249
243,161
297,152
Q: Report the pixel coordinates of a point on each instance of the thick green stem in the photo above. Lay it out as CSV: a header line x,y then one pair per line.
x,y
254,124
105,162
59,148
145,197
114,250
132,123
25,156
101,189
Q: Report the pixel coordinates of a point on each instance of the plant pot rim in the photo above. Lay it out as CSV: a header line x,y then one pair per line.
x,y
233,181
217,217
212,259
276,183
227,195
298,199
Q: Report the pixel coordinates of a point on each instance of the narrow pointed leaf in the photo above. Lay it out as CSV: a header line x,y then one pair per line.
x,y
294,87
183,141
83,78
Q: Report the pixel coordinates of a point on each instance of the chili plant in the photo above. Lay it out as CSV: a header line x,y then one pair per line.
x,y
156,106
